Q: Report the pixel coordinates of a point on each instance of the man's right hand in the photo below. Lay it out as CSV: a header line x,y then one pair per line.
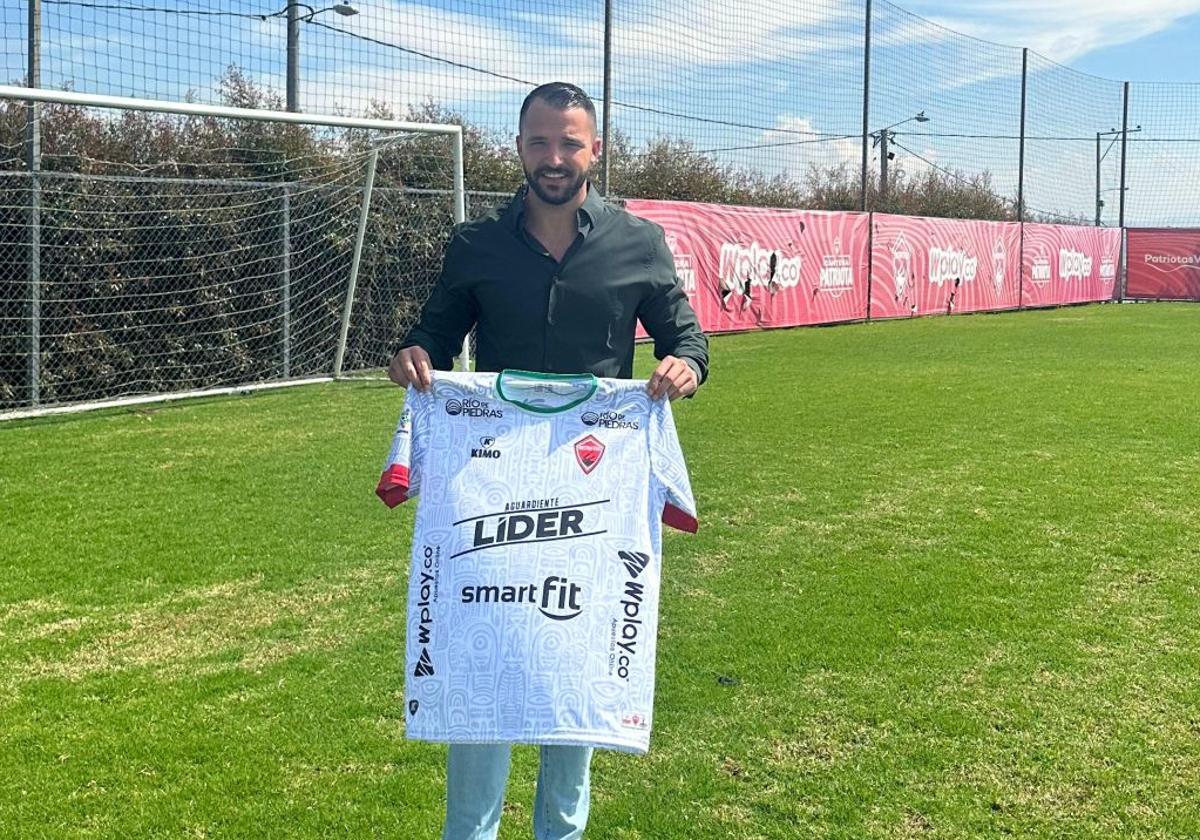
x,y
412,366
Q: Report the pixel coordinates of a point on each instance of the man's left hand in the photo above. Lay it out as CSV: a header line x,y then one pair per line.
x,y
674,378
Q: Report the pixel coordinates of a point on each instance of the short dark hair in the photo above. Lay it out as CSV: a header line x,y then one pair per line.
x,y
560,96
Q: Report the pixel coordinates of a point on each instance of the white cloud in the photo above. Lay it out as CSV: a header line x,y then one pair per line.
x,y
1062,30
796,157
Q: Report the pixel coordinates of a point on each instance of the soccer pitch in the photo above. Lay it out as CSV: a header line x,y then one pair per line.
x,y
945,585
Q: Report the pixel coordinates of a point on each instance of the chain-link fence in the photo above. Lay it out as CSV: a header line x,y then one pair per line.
x,y
812,103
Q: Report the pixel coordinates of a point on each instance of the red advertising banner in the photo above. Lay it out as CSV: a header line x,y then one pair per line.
x,y
1163,263
748,267
925,266
1069,264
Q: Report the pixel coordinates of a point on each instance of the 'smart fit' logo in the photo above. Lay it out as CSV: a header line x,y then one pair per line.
x,y
556,598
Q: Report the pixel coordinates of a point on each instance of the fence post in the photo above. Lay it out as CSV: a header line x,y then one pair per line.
x,y
1124,146
607,96
33,162
460,216
870,260
866,127
363,213
1021,152
285,237
1021,181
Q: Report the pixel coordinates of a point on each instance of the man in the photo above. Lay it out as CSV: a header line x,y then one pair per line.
x,y
553,282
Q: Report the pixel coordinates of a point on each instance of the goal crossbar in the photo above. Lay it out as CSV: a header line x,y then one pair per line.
x,y
453,133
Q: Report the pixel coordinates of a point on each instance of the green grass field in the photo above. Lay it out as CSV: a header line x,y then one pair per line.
x,y
950,565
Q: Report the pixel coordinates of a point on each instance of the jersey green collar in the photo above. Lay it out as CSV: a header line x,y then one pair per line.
x,y
584,381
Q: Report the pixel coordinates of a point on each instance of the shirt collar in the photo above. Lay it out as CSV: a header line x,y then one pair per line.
x,y
588,213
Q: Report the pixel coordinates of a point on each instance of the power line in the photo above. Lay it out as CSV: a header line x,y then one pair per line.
x,y
158,9
958,177
493,74
822,139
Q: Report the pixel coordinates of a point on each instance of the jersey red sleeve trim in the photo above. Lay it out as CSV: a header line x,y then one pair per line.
x,y
393,485
678,519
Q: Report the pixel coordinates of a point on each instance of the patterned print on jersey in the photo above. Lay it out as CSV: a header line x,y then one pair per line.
x,y
533,592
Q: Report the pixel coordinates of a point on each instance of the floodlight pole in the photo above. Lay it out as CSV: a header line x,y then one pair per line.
x,y
881,137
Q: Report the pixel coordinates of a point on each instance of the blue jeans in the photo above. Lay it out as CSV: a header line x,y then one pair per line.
x,y
475,778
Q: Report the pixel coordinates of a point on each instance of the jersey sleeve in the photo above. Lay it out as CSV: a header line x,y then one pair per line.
x,y
401,477
668,470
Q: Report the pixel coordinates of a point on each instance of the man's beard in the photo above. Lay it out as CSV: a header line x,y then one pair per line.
x,y
570,186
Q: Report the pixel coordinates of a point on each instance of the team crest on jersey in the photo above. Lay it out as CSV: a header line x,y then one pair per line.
x,y
588,453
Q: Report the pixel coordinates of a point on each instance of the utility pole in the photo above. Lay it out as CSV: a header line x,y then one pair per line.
x,y
293,56
883,173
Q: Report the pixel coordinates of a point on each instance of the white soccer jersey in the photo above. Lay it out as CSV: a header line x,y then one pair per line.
x,y
533,596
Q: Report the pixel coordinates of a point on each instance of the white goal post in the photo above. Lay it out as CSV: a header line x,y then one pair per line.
x,y
186,266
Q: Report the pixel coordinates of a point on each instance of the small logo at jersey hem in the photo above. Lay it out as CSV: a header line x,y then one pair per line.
x,y
635,720
588,453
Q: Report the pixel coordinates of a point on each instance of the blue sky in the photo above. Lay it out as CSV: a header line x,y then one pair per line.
x,y
1169,55
1138,40
762,90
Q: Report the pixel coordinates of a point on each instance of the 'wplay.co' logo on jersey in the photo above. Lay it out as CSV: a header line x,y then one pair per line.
x,y
426,597
627,627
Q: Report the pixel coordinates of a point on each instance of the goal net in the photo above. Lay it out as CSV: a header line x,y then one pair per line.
x,y
163,249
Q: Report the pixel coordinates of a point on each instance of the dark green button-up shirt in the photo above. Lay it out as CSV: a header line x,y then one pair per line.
x,y
576,316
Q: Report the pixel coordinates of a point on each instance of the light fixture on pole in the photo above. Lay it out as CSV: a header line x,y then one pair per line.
x,y
294,17
880,138
1114,133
